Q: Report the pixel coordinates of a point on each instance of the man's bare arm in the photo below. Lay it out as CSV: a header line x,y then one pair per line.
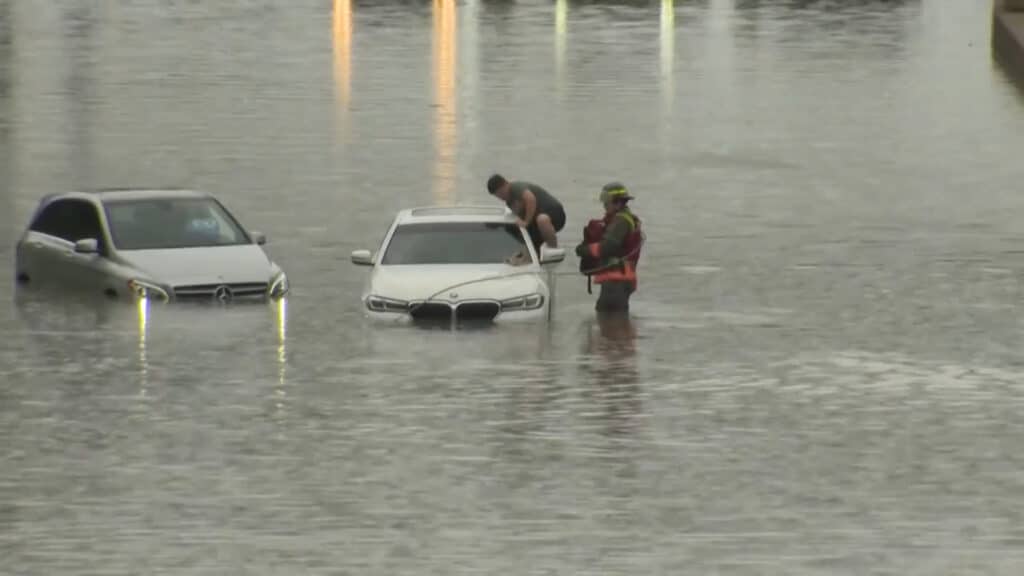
x,y
529,206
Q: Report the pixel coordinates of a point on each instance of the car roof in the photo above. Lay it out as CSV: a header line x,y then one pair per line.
x,y
144,193
104,194
455,213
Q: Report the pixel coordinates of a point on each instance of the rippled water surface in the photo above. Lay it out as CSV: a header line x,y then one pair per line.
x,y
822,373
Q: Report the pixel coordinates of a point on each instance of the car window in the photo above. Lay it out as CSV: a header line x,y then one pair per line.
x,y
164,223
48,220
71,220
455,243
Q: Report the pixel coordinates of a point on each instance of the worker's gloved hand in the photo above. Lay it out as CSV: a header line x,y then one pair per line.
x,y
581,250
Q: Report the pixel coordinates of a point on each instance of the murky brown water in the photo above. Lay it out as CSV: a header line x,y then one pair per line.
x,y
823,372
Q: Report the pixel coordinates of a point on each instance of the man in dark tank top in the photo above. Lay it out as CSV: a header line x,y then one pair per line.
x,y
537,210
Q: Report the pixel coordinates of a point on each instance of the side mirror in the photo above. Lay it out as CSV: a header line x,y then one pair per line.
x,y
258,237
87,246
362,258
551,255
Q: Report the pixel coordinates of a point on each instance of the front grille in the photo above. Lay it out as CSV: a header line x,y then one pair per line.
x,y
211,291
477,311
437,313
431,311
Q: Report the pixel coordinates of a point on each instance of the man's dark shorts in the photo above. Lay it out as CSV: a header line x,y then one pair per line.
x,y
557,220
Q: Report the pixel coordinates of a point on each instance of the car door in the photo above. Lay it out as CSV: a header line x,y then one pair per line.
x,y
87,271
49,248
39,260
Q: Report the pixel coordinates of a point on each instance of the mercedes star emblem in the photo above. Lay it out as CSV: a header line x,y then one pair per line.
x,y
222,294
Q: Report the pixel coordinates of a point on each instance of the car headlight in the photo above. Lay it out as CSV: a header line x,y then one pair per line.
x,y
279,287
143,289
528,302
379,304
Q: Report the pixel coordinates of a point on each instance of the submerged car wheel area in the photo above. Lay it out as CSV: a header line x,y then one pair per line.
x,y
162,245
454,265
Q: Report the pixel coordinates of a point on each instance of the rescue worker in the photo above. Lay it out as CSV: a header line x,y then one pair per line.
x,y
610,249
536,209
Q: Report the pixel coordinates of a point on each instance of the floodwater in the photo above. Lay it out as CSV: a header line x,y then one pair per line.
x,y
823,371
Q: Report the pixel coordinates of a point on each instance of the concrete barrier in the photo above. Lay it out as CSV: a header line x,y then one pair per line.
x,y
1008,36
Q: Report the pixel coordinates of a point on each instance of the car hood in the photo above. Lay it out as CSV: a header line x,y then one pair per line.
x,y
207,265
467,283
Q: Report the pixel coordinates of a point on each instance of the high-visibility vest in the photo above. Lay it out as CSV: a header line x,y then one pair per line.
x,y
612,268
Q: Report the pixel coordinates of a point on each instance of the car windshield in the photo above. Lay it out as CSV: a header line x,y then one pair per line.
x,y
455,243
161,223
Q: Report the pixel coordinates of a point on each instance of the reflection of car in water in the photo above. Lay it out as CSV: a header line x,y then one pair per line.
x,y
453,263
163,244
67,334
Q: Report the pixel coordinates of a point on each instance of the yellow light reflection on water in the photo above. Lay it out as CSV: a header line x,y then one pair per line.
x,y
282,335
342,40
667,36
142,311
282,338
561,26
444,45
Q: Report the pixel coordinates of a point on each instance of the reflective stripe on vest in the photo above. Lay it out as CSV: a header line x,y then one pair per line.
x,y
595,247
625,273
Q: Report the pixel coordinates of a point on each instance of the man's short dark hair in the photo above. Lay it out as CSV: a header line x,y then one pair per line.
x,y
494,182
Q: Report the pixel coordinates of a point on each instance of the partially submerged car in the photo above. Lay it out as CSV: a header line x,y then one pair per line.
x,y
164,244
453,263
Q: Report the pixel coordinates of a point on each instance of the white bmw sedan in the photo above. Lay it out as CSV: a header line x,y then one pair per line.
x,y
454,263
154,244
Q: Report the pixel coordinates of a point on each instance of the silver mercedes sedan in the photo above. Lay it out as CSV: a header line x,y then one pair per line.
x,y
163,244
